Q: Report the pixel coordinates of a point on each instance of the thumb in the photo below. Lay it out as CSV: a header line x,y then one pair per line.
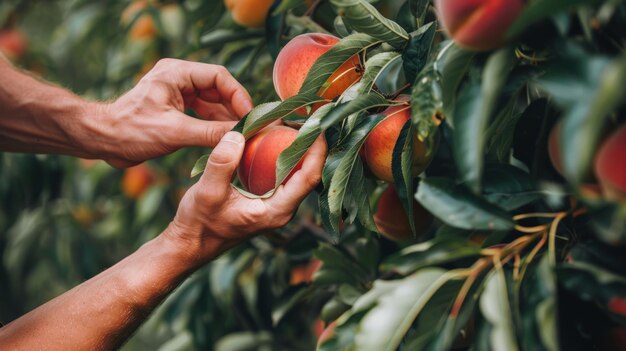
x,y
223,162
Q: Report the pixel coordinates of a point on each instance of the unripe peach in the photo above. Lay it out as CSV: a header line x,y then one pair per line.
x,y
144,27
295,60
137,180
478,24
249,13
257,169
610,165
378,147
391,218
13,44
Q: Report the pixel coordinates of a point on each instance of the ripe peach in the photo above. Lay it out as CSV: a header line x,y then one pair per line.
x,y
144,27
478,24
249,13
554,140
295,60
13,44
378,147
392,221
327,334
257,169
137,180
610,165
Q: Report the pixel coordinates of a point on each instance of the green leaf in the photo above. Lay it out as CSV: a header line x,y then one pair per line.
x,y
260,117
538,10
402,170
539,306
474,110
363,17
307,135
332,59
337,171
224,36
419,9
394,306
358,202
593,283
374,67
337,268
453,64
458,207
430,253
200,165
496,308
427,106
509,187
245,341
360,104
589,89
417,52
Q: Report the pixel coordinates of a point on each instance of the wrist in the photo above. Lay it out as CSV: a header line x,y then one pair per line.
x,y
194,247
95,135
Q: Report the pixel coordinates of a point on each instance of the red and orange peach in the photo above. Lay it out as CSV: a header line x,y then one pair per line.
x,y
610,165
391,218
257,169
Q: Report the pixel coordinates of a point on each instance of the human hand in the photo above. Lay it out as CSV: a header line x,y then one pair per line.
x,y
213,216
149,120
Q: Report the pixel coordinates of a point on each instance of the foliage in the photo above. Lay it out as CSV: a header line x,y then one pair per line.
x,y
519,256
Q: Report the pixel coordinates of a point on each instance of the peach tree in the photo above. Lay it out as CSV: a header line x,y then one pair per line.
x,y
473,195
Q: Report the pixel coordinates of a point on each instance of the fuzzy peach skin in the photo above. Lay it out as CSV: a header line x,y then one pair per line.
x,y
249,13
295,60
137,180
610,165
478,24
257,169
392,221
378,147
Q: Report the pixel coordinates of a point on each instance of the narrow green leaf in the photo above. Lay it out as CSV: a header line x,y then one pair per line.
x,y
223,36
427,106
261,117
496,308
200,165
453,64
374,66
360,104
396,304
402,170
472,117
307,134
417,53
338,168
364,18
458,207
331,60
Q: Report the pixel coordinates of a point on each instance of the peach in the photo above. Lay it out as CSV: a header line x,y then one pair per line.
x,y
554,151
478,24
144,27
391,218
378,147
304,273
257,169
610,165
249,13
13,44
295,60
137,180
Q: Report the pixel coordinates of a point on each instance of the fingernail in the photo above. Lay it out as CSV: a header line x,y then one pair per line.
x,y
233,137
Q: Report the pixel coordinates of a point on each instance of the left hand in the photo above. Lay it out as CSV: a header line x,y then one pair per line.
x,y
149,121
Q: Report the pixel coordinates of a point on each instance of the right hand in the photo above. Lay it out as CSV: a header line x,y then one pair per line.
x,y
213,216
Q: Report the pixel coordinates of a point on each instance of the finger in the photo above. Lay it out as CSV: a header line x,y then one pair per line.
x,y
288,196
222,164
197,132
119,163
213,112
201,77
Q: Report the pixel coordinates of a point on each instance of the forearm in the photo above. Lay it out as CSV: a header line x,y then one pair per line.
x,y
36,117
102,312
